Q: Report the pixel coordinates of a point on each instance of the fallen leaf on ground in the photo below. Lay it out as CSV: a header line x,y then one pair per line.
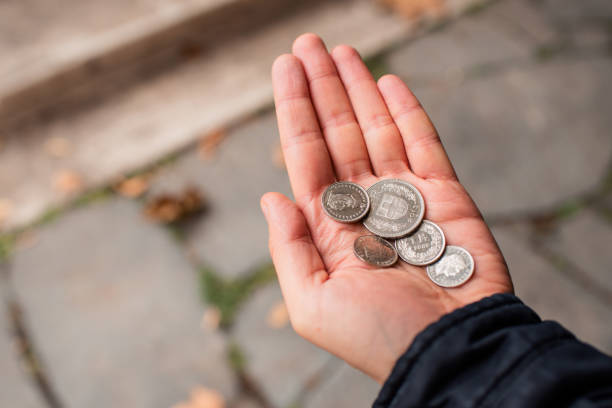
x,y
168,208
6,208
207,398
415,8
211,318
67,182
132,187
278,158
202,397
209,142
278,316
26,239
58,146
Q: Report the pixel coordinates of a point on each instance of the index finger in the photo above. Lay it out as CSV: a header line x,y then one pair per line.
x,y
306,155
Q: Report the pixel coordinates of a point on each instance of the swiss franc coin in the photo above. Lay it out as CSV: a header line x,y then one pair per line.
x,y
423,246
454,268
345,201
396,208
375,251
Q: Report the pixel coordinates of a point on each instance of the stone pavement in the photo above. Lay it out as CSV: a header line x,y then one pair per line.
x,y
111,302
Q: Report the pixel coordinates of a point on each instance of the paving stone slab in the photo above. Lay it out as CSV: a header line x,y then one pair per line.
x,y
232,236
16,390
347,388
584,240
569,11
527,138
112,306
280,363
489,37
552,294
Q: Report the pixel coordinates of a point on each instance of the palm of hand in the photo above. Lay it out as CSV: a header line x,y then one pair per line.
x,y
365,315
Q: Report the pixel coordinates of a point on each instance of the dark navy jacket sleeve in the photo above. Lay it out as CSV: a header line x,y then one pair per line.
x,y
498,353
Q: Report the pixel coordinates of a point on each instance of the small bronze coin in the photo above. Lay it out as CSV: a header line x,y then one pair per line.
x,y
345,201
375,251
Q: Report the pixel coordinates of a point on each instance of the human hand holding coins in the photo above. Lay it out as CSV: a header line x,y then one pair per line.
x,y
337,124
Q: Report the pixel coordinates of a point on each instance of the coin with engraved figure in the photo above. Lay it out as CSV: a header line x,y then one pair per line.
x,y
396,208
424,246
375,251
454,268
345,201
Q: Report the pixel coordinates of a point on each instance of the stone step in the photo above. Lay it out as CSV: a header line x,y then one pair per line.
x,y
152,118
86,50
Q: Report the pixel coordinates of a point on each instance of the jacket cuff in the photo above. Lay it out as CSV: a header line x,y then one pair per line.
x,y
456,361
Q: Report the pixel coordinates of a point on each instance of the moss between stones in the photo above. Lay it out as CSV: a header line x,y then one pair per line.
x,y
226,295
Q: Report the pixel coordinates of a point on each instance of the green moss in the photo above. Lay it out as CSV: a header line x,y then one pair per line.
x,y
228,295
569,209
548,51
91,197
377,66
7,242
236,357
476,8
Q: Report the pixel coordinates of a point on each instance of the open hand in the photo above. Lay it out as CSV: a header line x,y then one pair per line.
x,y
337,123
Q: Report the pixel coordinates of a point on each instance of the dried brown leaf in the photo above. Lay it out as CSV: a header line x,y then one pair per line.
x,y
211,318
207,398
169,208
210,142
26,239
416,8
58,146
133,187
6,209
67,182
278,316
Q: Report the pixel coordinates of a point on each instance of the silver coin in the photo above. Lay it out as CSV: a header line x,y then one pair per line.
x,y
397,208
375,250
424,246
345,201
454,268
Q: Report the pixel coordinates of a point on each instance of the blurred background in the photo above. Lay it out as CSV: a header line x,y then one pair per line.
x,y
136,138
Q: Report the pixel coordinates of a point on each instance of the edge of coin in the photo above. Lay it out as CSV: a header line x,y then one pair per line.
x,y
468,277
421,214
365,213
372,264
437,256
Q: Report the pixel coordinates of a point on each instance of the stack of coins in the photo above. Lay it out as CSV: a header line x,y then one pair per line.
x,y
393,211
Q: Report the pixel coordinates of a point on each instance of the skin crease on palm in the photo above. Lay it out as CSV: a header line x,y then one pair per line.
x,y
337,123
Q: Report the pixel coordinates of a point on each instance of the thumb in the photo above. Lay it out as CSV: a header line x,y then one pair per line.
x,y
296,260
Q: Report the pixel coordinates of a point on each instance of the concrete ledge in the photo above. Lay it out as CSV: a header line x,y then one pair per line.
x,y
51,79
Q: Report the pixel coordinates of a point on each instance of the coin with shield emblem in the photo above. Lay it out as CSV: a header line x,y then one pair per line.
x,y
423,246
345,201
454,268
397,208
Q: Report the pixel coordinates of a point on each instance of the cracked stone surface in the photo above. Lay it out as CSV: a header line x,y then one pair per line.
x,y
112,306
520,140
16,390
280,363
552,294
584,241
232,236
347,388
